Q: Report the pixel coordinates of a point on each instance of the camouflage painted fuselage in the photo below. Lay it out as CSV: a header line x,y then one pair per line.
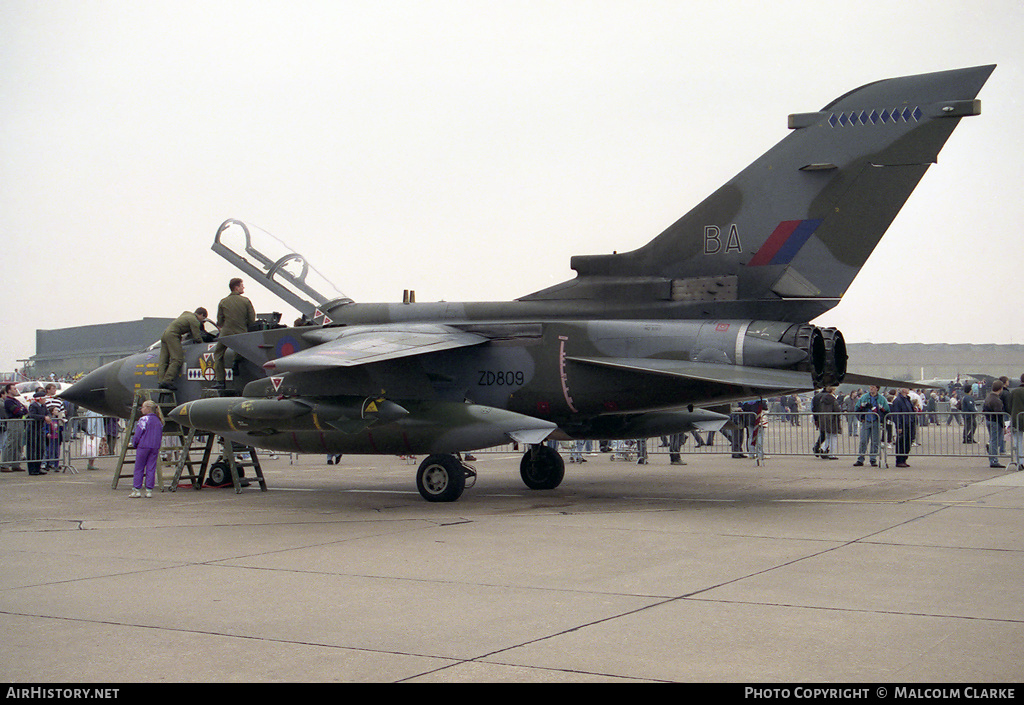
x,y
714,309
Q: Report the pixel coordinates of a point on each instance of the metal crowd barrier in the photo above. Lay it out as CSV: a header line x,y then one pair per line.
x,y
972,439
94,437
826,435
794,434
57,448
28,441
756,436
781,433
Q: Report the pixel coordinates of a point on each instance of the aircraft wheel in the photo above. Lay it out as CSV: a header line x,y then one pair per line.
x,y
220,473
542,468
441,478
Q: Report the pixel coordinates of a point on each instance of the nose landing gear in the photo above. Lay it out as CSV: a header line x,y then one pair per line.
x,y
542,468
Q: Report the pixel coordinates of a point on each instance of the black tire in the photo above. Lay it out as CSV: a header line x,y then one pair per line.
x,y
220,474
542,468
441,478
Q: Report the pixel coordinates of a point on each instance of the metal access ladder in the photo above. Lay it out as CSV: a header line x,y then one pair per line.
x,y
205,442
166,400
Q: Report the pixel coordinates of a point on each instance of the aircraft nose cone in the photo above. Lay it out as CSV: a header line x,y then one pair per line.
x,y
99,391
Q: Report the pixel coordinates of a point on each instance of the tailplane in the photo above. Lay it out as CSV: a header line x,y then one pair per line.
x,y
793,229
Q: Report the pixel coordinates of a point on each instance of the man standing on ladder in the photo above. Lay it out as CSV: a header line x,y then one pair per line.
x,y
172,355
235,314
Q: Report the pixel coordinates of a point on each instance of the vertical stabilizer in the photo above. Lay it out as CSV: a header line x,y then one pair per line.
x,y
799,223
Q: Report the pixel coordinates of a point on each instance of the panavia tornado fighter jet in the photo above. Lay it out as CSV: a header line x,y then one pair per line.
x,y
650,342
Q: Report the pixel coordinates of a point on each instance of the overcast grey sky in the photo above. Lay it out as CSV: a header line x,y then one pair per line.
x,y
467,149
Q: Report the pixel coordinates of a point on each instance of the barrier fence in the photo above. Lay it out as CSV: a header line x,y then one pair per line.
x,y
860,436
76,442
840,435
59,444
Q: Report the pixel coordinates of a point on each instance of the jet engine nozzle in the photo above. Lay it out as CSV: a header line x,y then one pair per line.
x,y
826,349
830,358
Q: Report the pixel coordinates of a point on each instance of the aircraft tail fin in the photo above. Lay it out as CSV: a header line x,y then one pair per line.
x,y
793,229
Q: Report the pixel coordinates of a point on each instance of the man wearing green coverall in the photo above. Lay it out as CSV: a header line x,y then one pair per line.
x,y
234,315
172,356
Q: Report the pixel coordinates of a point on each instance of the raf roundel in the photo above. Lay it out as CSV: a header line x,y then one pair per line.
x,y
286,346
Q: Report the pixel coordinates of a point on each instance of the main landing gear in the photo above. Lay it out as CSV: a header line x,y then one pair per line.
x,y
443,477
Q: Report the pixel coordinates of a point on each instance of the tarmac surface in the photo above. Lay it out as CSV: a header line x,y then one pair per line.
x,y
722,570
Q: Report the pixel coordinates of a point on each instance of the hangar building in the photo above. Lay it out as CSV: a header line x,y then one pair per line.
x,y
70,351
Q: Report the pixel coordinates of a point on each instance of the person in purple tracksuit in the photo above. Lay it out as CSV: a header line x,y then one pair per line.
x,y
147,440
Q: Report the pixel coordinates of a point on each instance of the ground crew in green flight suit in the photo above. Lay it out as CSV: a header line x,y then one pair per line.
x,y
172,356
234,315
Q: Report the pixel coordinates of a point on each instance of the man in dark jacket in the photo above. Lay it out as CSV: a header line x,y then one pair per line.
x,y
1004,396
15,437
968,409
903,420
38,420
816,417
993,409
829,423
1017,424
